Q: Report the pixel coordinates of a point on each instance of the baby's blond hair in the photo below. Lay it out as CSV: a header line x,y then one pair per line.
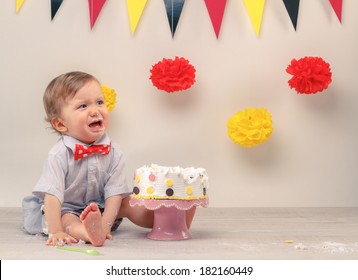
x,y
61,88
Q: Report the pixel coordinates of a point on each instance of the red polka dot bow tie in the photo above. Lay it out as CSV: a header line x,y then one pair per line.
x,y
84,151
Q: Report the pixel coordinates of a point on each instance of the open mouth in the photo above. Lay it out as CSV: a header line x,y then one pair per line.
x,y
96,124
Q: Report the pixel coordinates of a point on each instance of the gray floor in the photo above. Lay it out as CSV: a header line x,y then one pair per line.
x,y
218,233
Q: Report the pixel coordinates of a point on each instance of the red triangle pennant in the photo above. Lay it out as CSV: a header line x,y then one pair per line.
x,y
216,10
337,7
95,7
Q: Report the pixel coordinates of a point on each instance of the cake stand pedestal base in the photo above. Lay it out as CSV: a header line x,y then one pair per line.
x,y
169,224
169,217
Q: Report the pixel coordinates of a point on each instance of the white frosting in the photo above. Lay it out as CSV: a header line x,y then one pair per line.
x,y
162,182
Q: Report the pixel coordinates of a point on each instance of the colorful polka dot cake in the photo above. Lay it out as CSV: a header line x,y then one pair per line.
x,y
160,182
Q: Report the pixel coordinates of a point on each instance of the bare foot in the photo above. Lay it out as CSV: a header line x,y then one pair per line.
x,y
92,220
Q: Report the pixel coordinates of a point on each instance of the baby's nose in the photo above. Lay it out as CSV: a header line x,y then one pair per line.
x,y
94,113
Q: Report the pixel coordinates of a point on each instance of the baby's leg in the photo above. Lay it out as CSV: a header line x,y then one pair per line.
x,y
138,215
87,227
143,217
91,219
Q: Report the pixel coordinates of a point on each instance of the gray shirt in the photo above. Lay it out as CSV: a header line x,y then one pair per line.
x,y
76,183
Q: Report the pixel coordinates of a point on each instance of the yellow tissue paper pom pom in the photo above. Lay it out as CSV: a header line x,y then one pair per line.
x,y
110,97
250,127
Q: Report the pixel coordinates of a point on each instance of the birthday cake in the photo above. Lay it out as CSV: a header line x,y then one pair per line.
x,y
161,182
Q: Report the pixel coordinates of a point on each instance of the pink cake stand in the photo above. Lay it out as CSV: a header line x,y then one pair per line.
x,y
169,217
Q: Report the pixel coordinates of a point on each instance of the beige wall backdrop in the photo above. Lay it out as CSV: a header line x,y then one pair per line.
x,y
311,157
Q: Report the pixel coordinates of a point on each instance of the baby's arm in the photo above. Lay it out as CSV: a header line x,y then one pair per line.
x,y
52,209
110,214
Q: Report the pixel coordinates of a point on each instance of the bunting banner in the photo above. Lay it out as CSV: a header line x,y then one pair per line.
x,y
337,7
95,7
216,10
174,9
292,7
255,9
19,5
135,10
55,5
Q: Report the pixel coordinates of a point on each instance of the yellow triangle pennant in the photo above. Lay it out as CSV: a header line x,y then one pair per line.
x,y
255,9
135,10
19,4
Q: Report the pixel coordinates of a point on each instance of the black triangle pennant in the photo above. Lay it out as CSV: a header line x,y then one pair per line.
x,y
292,7
174,8
55,5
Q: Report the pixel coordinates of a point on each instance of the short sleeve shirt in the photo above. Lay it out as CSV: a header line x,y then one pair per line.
x,y
76,183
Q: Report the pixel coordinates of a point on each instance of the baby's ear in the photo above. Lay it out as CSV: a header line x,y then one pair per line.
x,y
59,125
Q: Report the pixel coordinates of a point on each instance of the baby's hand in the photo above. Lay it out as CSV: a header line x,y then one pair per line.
x,y
60,238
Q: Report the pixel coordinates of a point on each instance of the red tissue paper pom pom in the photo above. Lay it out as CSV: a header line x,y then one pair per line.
x,y
173,75
310,75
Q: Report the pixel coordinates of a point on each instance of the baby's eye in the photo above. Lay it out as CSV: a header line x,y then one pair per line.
x,y
100,102
83,106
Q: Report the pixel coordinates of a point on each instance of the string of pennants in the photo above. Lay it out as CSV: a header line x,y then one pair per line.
x,y
216,9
